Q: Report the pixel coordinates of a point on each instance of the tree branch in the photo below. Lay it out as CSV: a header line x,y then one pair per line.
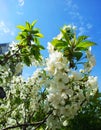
x,y
22,125
37,124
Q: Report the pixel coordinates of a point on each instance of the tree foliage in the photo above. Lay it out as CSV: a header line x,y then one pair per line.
x,y
57,90
89,117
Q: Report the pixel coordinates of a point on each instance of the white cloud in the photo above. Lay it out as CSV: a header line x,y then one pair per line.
x,y
81,22
20,5
73,10
85,28
19,13
68,3
20,2
72,5
89,26
82,30
4,29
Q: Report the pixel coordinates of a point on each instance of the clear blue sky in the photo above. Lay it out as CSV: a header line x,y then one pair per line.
x,y
51,15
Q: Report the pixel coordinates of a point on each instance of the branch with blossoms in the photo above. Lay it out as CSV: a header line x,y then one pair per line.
x,y
61,84
26,52
28,47
36,125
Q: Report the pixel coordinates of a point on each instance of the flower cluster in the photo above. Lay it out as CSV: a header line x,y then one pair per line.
x,y
68,90
23,100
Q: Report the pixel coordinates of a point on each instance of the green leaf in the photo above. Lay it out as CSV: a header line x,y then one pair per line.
x,y
27,25
33,49
34,31
81,38
85,44
20,37
60,44
26,60
36,40
21,27
24,50
33,23
65,35
78,55
39,35
41,47
66,53
24,42
37,54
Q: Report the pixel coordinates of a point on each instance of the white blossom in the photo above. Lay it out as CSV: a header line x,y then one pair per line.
x,y
55,62
91,61
50,47
76,75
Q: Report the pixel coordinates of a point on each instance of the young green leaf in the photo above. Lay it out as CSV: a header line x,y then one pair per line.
x,y
26,60
33,23
39,35
34,31
20,37
85,44
59,43
41,47
78,55
81,38
36,40
21,27
65,35
28,25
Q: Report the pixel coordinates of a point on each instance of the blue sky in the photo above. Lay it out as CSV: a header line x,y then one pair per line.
x,y
51,15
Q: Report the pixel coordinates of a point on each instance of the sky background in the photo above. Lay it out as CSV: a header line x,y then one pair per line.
x,y
51,15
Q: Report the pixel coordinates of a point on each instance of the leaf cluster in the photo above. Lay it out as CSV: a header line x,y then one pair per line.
x,y
72,47
29,44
